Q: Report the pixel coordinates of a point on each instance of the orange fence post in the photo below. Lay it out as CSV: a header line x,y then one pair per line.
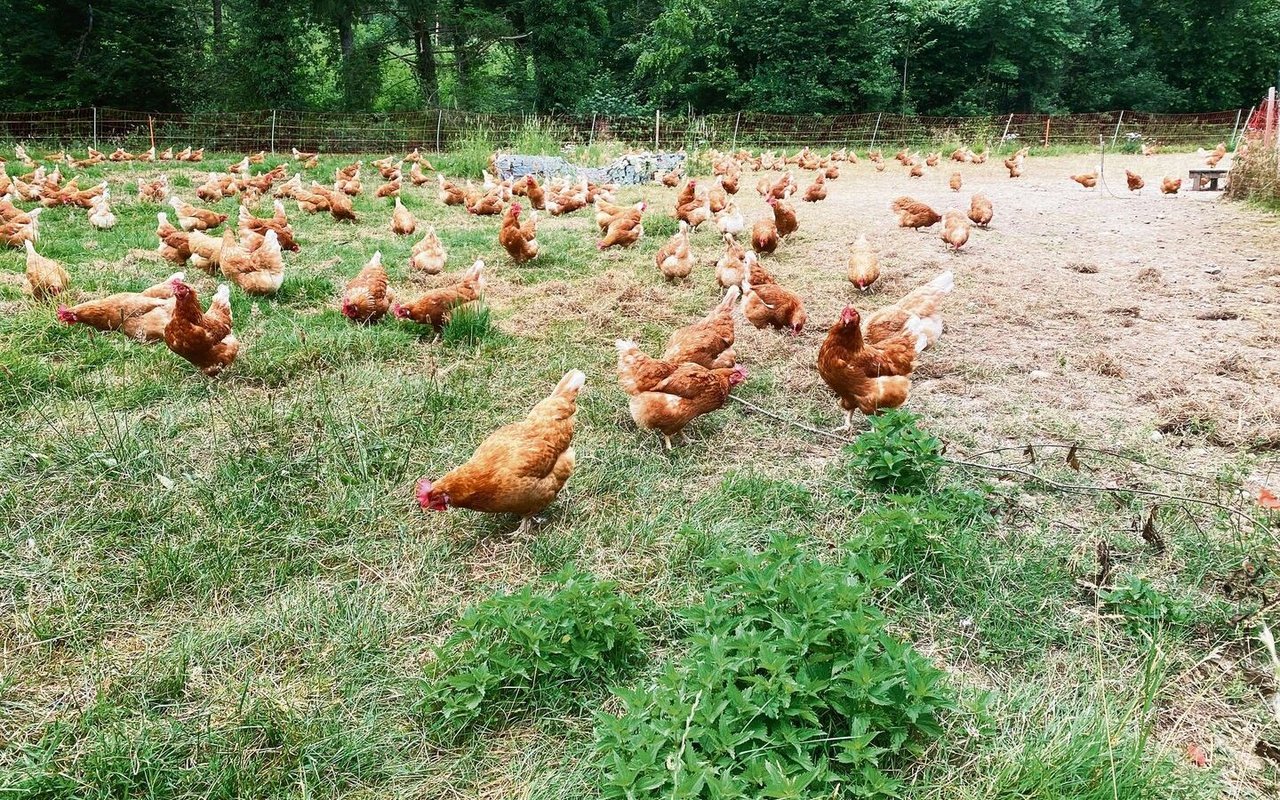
x,y
1046,130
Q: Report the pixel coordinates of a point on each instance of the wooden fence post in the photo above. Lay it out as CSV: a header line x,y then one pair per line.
x,y
591,137
273,131
439,122
876,129
657,125
95,127
1047,119
1004,137
736,121
1116,134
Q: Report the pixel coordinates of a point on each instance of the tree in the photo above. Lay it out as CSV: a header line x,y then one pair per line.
x,y
563,41
629,56
357,77
686,55
132,53
1217,55
139,55
782,56
266,67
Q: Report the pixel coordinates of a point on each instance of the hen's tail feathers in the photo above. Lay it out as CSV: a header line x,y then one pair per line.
x,y
571,383
731,298
746,285
945,282
916,327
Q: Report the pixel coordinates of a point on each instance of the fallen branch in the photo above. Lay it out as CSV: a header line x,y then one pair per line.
x,y
764,412
1085,487
1022,448
1060,486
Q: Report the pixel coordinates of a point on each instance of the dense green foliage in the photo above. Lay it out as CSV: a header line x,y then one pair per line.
x,y
618,56
792,687
514,650
896,453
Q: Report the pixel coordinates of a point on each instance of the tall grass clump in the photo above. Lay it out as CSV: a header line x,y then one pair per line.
x,y
540,137
468,324
469,153
1255,176
1090,748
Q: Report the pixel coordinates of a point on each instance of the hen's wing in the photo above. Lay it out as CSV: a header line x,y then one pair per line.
x,y
690,381
217,320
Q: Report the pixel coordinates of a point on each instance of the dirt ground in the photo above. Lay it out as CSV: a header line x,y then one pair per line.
x,y
1119,319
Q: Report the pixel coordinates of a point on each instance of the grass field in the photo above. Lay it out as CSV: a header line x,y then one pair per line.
x,y
223,587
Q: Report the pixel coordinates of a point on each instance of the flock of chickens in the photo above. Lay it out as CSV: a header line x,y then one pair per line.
x,y
866,361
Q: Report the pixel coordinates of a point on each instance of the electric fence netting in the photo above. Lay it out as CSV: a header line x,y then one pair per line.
x,y
441,129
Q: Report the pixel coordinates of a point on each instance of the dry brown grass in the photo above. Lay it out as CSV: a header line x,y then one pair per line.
x,y
1255,175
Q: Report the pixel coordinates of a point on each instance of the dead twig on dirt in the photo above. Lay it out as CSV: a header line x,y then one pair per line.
x,y
1262,609
765,412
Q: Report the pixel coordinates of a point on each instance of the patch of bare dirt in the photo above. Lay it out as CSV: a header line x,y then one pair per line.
x,y
1072,315
1067,313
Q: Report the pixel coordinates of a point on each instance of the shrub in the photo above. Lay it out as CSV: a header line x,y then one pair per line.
x,y
896,453
791,687
536,646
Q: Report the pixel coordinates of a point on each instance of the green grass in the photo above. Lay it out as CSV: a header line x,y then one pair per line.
x,y
224,587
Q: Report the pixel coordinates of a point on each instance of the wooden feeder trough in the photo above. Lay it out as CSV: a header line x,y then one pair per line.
x,y
1207,180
